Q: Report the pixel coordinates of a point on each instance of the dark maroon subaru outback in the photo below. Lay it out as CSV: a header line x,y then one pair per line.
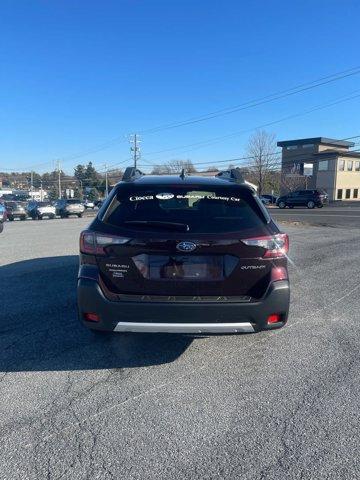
x,y
185,254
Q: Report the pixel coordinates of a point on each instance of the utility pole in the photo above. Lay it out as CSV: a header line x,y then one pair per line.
x,y
41,191
135,148
106,181
31,180
81,190
59,177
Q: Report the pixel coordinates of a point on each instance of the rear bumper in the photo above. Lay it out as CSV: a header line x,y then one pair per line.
x,y
17,214
182,317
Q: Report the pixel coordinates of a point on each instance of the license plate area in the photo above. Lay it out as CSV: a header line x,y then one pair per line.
x,y
181,267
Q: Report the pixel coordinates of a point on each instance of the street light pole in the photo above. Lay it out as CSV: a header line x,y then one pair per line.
x,y
59,177
106,182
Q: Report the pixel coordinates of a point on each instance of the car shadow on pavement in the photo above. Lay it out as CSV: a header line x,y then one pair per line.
x,y
40,331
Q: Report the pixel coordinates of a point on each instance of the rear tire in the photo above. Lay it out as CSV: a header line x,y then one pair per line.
x,y
79,215
11,219
62,215
39,217
22,218
310,204
281,204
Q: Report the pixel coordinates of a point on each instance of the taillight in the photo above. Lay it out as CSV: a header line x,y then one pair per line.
x,y
94,243
275,245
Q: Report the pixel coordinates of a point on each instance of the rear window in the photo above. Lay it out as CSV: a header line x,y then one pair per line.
x,y
201,210
73,201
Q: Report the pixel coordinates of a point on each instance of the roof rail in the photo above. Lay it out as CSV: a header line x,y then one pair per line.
x,y
232,175
131,173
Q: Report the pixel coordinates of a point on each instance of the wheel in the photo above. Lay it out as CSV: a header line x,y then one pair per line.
x,y
310,204
291,206
11,219
22,218
40,217
320,206
62,215
79,215
52,217
281,204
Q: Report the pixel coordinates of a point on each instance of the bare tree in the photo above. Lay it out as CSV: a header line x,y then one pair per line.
x,y
261,147
290,182
174,166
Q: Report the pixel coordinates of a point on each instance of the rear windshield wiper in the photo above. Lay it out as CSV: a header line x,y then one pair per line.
x,y
183,227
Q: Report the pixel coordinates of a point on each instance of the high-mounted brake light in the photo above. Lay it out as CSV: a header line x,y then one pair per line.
x,y
94,243
275,245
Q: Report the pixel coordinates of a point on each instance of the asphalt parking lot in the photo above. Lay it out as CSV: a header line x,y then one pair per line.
x,y
273,405
333,216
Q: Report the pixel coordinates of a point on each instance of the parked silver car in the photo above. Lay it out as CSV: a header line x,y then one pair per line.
x,y
69,206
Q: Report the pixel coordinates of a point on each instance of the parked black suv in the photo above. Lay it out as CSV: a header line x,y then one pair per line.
x,y
183,254
303,198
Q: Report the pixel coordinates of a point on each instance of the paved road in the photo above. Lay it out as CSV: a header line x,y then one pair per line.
x,y
274,405
346,217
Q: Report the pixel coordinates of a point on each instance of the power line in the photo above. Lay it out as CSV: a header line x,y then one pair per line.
x,y
259,101
225,111
251,157
215,140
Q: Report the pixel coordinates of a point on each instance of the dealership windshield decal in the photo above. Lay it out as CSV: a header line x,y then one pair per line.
x,y
190,196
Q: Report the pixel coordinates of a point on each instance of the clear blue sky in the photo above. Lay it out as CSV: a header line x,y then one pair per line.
x,y
76,74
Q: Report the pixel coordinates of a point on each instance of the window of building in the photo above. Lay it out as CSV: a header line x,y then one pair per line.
x,y
350,165
324,165
357,166
356,192
308,145
291,147
348,193
341,165
339,194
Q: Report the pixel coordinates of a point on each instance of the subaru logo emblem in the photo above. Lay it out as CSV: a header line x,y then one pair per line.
x,y
165,196
186,246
